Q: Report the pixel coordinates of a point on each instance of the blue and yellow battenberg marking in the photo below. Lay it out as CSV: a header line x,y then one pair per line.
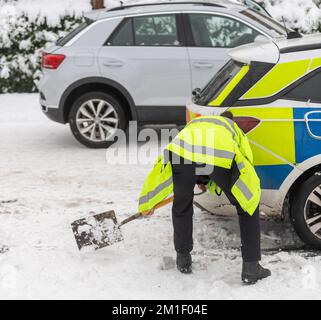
x,y
281,140
289,139
277,137
280,77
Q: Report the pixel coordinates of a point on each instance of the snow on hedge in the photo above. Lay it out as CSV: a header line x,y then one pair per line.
x,y
26,27
304,15
51,10
13,14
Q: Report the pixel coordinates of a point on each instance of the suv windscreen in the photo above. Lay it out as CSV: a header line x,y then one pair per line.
x,y
265,21
64,40
218,83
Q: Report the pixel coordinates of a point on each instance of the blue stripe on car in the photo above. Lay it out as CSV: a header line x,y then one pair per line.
x,y
272,177
305,145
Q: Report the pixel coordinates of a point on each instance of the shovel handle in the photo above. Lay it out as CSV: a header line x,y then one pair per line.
x,y
164,203
171,199
140,214
129,219
158,206
161,204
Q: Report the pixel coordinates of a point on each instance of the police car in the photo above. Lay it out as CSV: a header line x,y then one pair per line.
x,y
273,88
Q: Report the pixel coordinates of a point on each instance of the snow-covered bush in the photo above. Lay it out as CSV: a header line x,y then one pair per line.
x,y
26,28
304,15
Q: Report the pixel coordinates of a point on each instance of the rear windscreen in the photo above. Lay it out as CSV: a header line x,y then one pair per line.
x,y
64,40
218,82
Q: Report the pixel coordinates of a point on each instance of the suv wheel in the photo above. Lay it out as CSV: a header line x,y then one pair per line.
x,y
94,119
306,211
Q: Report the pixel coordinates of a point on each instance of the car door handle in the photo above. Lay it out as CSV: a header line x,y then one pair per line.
x,y
113,63
203,65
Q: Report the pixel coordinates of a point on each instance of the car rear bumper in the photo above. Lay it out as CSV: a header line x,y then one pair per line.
x,y
52,112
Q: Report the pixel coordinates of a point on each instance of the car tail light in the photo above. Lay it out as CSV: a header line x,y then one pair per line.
x,y
52,61
247,124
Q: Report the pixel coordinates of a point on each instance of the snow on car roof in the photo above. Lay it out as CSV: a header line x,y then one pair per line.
x,y
263,51
155,6
308,42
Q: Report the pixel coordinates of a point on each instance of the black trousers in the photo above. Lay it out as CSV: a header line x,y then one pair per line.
x,y
184,179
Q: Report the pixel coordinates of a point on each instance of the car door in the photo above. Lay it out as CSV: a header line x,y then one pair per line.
x,y
306,101
147,56
209,37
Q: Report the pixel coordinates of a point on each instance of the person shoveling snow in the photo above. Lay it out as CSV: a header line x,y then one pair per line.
x,y
227,153
218,147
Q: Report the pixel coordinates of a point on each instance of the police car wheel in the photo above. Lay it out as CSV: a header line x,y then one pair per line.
x,y
94,119
306,211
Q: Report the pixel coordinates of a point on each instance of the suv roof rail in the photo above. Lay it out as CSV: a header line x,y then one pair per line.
x,y
122,7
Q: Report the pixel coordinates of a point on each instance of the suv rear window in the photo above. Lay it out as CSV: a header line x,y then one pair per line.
x,y
123,36
64,40
156,30
219,82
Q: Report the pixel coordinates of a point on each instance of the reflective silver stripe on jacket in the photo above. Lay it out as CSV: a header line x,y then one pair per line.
x,y
241,165
218,122
244,189
150,195
204,150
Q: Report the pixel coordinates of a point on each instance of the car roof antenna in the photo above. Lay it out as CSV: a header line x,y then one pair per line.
x,y
291,34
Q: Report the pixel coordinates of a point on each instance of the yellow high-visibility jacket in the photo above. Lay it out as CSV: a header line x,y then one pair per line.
x,y
211,140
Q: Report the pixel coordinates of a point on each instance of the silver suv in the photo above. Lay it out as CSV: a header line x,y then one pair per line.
x,y
141,62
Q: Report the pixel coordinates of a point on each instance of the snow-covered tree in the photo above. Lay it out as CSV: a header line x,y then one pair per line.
x,y
304,15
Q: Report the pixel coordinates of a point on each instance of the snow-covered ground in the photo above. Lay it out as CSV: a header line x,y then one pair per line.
x,y
49,180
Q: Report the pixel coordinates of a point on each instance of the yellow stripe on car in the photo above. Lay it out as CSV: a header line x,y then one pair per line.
x,y
231,85
316,63
278,78
275,136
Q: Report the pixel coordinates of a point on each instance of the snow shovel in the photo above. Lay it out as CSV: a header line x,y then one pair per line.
x,y
103,230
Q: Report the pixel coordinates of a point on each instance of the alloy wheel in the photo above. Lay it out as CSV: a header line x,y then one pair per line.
x,y
97,120
312,212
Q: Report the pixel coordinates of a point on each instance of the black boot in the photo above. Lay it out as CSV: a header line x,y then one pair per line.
x,y
253,271
184,262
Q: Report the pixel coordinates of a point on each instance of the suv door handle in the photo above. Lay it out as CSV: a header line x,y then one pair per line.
x,y
113,63
203,65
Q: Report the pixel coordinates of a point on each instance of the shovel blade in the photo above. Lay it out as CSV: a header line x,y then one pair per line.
x,y
97,231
